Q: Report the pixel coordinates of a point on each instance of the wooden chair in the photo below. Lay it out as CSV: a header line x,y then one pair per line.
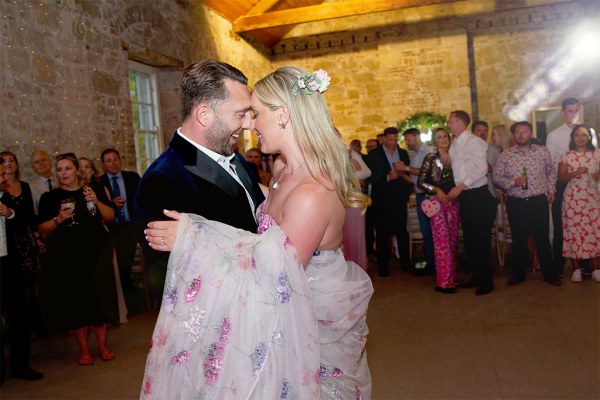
x,y
415,237
502,230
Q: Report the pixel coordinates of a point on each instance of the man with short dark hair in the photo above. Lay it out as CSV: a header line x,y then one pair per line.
x,y
412,138
481,129
391,188
526,173
371,145
477,206
122,186
200,173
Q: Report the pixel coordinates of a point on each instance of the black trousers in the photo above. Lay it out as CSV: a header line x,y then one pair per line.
x,y
124,239
557,239
530,217
391,222
14,309
477,213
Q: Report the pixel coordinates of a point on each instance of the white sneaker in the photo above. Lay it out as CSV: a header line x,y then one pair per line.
x,y
576,277
596,275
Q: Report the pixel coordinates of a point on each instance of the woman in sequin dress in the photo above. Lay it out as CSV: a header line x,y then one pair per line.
x,y
280,314
436,179
581,202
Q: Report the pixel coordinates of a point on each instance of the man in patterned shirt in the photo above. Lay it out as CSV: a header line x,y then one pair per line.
x,y
527,174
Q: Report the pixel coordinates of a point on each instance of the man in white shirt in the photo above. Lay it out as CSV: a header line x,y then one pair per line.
x,y
482,129
41,163
558,144
468,155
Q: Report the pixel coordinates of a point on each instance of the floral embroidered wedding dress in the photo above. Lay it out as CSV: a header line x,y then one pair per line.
x,y
241,319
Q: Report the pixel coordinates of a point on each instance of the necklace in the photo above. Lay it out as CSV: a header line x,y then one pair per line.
x,y
276,184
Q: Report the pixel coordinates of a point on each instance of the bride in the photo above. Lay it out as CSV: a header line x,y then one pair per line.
x,y
280,313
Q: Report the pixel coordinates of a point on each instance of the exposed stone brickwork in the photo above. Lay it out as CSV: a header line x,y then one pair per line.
x,y
64,81
419,62
64,65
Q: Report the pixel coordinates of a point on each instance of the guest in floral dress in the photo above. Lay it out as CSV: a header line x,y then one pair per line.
x,y
581,202
436,179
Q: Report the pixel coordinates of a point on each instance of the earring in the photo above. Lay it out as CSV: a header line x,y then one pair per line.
x,y
281,125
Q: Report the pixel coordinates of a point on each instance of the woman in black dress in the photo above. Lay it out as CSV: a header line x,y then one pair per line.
x,y
78,287
19,267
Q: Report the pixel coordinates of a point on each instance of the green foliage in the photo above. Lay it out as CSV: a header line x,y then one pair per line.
x,y
423,121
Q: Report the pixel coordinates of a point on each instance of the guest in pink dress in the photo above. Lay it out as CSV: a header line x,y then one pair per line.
x,y
353,241
436,179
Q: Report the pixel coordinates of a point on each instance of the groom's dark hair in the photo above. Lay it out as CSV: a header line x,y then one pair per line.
x,y
203,82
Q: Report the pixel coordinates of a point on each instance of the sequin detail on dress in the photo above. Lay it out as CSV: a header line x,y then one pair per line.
x,y
212,363
193,290
180,358
260,352
283,288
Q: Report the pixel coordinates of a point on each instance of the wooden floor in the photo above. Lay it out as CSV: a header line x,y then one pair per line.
x,y
531,341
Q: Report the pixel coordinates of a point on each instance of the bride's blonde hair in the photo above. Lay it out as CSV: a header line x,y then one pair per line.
x,y
323,149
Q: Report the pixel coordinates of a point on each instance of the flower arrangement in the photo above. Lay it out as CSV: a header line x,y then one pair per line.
x,y
317,81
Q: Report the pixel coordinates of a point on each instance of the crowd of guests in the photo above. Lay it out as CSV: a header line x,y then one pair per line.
x,y
65,266
461,178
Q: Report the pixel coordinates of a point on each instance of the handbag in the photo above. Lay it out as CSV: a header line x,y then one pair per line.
x,y
430,207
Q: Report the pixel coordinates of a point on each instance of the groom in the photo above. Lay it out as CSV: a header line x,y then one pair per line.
x,y
199,173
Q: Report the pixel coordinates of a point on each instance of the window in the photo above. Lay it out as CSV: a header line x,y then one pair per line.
x,y
146,121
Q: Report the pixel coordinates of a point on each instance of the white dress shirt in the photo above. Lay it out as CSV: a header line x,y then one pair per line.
x,y
558,143
417,160
225,163
39,186
468,155
364,172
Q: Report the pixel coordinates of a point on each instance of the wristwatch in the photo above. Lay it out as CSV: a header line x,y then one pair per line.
x,y
55,219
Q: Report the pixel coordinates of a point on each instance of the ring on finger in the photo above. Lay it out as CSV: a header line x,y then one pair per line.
x,y
162,242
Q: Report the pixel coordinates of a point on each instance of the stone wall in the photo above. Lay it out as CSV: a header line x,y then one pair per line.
x,y
424,61
64,65
64,81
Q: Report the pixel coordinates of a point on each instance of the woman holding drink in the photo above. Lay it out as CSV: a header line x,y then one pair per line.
x,y
78,288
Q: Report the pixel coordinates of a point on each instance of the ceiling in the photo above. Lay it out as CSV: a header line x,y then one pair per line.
x,y
270,20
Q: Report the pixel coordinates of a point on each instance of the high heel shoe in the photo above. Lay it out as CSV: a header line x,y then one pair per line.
x,y
106,355
85,360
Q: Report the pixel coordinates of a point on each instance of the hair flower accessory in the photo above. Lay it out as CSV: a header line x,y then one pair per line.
x,y
317,81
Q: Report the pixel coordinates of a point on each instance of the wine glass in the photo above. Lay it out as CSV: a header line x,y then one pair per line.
x,y
69,203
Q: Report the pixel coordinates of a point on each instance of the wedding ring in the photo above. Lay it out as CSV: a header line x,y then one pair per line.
x,y
162,242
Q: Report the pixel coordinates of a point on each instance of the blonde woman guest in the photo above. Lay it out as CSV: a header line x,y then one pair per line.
x,y
581,202
436,179
287,319
78,284
501,137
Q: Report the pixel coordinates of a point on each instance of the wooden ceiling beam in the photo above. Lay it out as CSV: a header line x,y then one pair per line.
x,y
324,11
262,6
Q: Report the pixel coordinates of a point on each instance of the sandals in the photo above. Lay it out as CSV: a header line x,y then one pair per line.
x,y
106,355
85,360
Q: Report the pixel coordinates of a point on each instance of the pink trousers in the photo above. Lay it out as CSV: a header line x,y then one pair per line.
x,y
444,227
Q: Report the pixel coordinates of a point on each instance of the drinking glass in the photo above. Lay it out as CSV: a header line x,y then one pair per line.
x,y
69,203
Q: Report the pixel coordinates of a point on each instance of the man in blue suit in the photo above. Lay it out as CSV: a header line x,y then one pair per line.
x,y
199,173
